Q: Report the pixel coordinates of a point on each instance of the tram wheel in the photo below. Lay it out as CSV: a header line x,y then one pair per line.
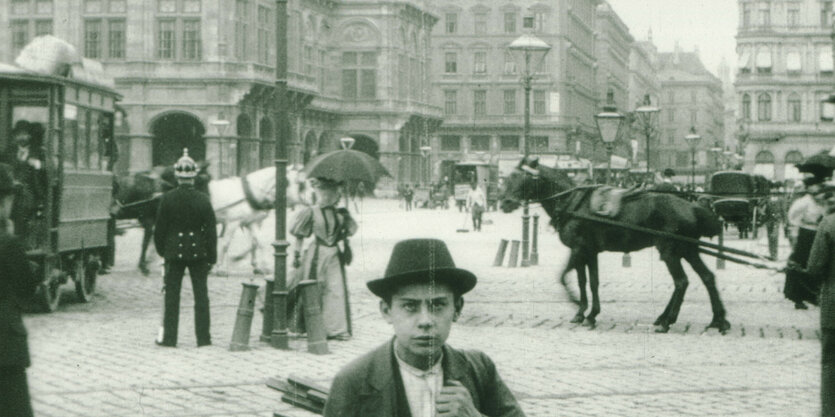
x,y
86,272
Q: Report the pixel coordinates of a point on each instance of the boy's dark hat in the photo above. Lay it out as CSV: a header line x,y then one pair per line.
x,y
416,261
809,181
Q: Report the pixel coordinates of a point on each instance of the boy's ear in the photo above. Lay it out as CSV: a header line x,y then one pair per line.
x,y
459,306
385,310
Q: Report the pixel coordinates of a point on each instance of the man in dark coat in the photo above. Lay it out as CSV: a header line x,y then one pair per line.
x,y
416,374
185,235
820,265
17,285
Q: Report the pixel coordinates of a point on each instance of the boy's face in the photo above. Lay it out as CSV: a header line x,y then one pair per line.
x,y
422,316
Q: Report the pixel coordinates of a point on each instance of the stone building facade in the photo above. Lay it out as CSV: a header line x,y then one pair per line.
x,y
476,81
643,81
691,97
783,74
201,74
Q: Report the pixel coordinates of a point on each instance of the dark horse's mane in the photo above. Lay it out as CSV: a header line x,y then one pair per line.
x,y
571,214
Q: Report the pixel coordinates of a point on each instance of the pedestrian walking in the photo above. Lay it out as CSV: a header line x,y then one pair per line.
x,y
821,266
416,373
26,160
17,285
476,203
323,261
185,235
803,218
408,194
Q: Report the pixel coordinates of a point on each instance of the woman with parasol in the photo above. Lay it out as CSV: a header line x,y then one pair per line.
x,y
323,261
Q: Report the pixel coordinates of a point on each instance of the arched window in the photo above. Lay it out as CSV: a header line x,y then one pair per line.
x,y
764,157
764,107
244,127
764,61
794,108
793,64
790,171
746,107
764,164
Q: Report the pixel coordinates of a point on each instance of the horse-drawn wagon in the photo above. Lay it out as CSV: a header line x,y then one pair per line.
x,y
66,105
740,199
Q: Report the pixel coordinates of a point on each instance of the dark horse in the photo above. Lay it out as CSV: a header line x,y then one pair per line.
x,y
137,197
659,211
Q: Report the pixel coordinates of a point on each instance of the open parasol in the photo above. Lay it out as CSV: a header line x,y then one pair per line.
x,y
820,165
346,165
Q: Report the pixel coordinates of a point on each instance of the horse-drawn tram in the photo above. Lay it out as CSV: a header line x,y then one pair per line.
x,y
63,106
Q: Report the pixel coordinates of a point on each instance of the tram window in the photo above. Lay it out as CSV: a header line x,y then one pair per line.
x,y
37,117
81,140
93,144
70,137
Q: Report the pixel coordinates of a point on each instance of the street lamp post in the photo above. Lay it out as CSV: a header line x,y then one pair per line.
x,y
693,140
221,124
648,114
427,166
609,123
531,51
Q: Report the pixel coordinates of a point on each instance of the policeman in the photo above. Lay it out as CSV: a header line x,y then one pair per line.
x,y
186,236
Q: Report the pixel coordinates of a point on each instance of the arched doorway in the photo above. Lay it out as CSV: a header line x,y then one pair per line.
x,y
244,126
311,147
247,146
267,142
764,164
366,144
174,131
790,171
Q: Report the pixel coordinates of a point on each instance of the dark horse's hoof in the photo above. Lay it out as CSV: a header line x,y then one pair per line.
x,y
144,270
578,319
590,323
719,324
662,328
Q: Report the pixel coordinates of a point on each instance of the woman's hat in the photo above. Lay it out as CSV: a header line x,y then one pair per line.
x,y
417,261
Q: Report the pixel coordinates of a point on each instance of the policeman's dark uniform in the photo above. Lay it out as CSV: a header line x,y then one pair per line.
x,y
186,236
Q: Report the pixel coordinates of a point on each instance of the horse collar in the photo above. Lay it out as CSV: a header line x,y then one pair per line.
x,y
252,200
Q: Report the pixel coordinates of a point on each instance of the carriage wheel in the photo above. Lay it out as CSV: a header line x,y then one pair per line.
x,y
49,294
85,272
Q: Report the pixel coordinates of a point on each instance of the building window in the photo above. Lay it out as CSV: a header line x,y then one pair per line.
x,y
166,38
509,63
510,22
451,24
116,38
671,115
450,143
746,107
20,6
765,17
671,137
43,27
764,107
20,34
92,38
451,62
359,75
241,28
694,117
480,62
826,12
825,61
793,64
307,67
480,143
509,101
403,74
794,108
265,36
450,102
480,102
539,21
538,102
764,62
538,144
509,143
793,18
746,15
191,40
117,6
480,23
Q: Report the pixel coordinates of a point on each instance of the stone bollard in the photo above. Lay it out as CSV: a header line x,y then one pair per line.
x,y
514,254
500,253
317,337
535,241
267,324
243,322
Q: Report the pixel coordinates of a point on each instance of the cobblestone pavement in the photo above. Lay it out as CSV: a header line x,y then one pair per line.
x,y
99,358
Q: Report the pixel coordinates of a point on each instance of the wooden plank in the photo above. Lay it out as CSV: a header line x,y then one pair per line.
x,y
303,403
306,383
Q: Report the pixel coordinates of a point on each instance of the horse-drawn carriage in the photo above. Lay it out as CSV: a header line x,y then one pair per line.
x,y
740,199
69,105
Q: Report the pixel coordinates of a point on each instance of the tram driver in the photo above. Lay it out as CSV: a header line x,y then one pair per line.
x,y
26,158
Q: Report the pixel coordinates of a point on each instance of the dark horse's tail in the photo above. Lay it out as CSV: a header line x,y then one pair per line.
x,y
707,221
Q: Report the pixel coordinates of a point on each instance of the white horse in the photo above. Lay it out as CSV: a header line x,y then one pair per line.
x,y
243,203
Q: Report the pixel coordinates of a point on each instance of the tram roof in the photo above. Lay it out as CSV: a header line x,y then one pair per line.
x,y
50,59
